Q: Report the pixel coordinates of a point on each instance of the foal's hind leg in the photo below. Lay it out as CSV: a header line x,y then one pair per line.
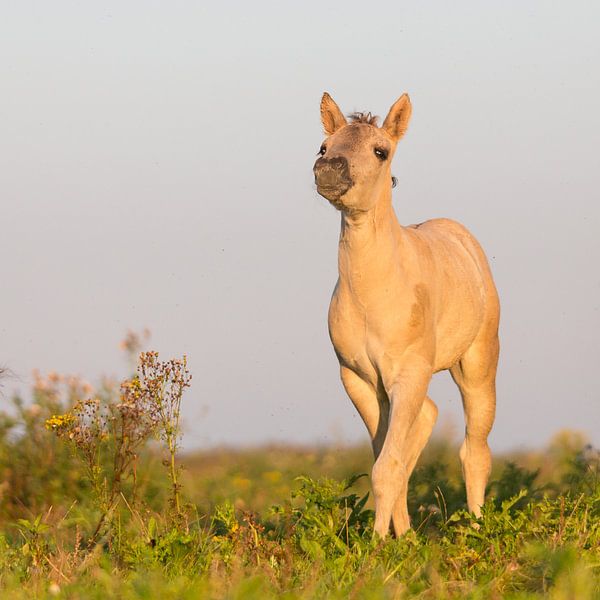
x,y
475,375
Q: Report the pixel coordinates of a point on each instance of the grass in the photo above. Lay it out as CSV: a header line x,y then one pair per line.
x,y
88,510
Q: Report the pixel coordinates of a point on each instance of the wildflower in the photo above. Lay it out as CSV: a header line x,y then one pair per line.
x,y
34,410
56,422
272,476
54,377
40,384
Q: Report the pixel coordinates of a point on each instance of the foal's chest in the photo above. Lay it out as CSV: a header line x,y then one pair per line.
x,y
363,330
348,332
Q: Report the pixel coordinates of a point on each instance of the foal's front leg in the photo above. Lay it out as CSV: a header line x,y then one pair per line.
x,y
415,442
369,406
407,391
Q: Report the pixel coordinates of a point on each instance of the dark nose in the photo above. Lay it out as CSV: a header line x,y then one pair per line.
x,y
332,176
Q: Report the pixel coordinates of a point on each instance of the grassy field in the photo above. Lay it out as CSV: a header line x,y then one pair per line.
x,y
97,502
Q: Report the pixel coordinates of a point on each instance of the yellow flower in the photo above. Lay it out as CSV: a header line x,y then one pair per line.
x,y
242,483
135,383
59,421
272,476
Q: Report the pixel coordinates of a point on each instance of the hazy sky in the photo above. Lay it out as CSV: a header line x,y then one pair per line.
x,y
156,171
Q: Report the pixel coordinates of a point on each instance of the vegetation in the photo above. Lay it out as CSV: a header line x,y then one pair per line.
x,y
96,503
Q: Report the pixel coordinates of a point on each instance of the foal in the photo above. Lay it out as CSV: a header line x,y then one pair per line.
x,y
409,301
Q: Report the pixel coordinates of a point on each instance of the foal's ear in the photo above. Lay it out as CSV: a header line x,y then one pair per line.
x,y
331,115
397,120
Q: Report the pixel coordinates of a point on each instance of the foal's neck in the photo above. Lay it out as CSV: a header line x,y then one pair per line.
x,y
369,241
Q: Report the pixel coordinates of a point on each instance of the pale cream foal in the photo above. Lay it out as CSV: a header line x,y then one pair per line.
x,y
409,301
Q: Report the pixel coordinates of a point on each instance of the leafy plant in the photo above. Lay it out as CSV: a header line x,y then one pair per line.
x,y
108,436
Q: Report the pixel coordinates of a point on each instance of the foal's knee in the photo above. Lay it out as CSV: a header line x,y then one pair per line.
x,y
389,476
475,455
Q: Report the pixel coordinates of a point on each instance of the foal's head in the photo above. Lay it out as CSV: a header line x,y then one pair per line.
x,y
355,159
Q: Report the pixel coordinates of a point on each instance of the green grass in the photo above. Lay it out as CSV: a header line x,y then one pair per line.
x,y
285,522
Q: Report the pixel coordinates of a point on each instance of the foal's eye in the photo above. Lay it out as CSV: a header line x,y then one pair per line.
x,y
322,150
380,153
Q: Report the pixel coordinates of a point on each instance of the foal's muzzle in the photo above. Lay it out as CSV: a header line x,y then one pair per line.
x,y
332,176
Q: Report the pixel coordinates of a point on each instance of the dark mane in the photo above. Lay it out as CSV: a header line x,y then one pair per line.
x,y
363,117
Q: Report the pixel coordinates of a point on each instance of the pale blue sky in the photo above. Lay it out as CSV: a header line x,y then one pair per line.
x,y
156,172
